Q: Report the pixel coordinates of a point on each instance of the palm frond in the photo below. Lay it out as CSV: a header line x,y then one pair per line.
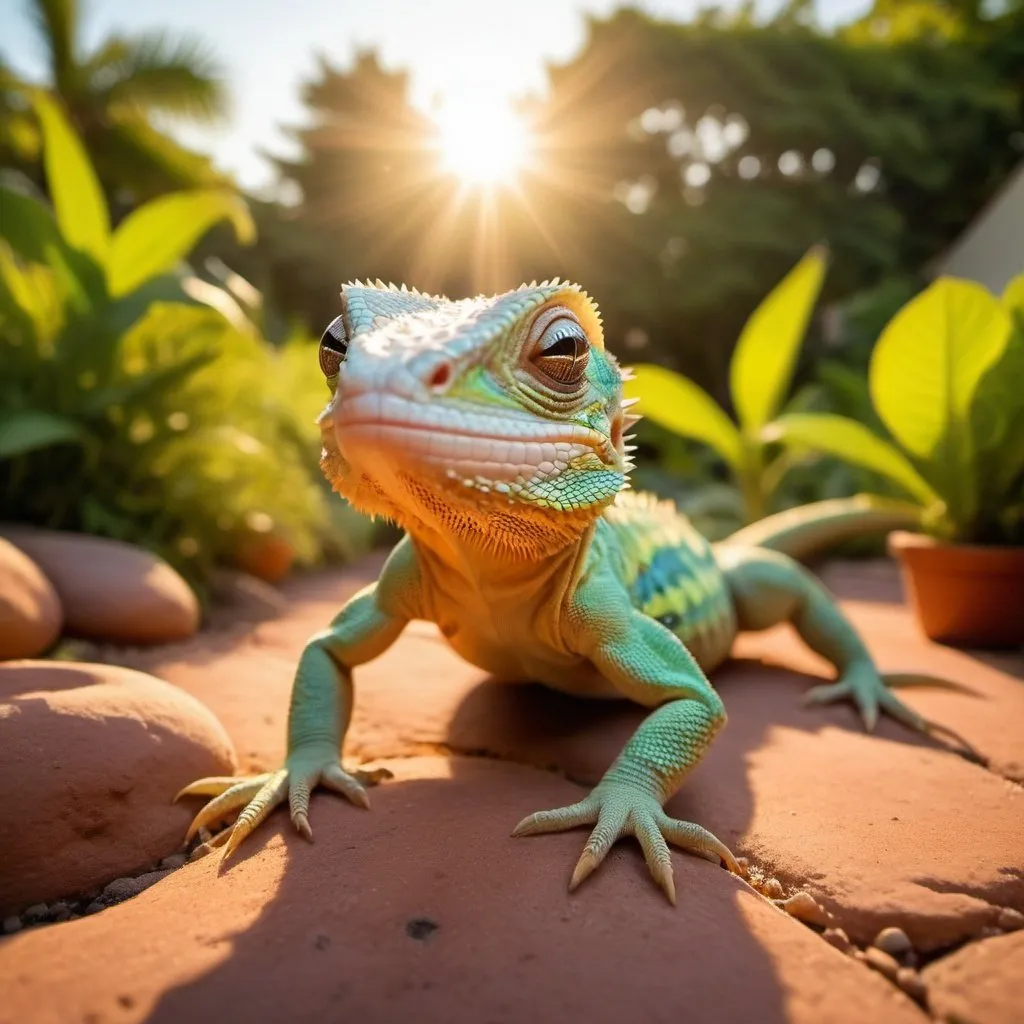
x,y
175,76
56,22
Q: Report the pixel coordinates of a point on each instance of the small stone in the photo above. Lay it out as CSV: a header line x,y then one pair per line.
x,y
838,938
122,889
773,889
1010,920
173,862
30,613
59,911
37,912
11,925
912,983
893,941
882,962
94,908
804,907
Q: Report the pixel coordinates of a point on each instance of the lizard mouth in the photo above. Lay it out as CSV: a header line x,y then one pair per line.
x,y
464,442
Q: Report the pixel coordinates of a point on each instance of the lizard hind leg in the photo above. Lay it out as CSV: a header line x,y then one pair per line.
x,y
768,588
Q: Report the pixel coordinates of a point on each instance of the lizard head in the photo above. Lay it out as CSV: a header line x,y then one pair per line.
x,y
496,421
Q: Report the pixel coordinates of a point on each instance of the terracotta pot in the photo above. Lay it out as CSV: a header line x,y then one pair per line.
x,y
963,594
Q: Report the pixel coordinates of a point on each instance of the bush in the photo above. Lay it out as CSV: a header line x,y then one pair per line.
x,y
129,409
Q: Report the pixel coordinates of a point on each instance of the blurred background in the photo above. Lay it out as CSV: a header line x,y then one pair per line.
x,y
675,158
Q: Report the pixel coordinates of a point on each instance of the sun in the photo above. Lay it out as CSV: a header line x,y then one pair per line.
x,y
483,144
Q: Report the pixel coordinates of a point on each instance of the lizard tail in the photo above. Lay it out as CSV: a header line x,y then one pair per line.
x,y
804,531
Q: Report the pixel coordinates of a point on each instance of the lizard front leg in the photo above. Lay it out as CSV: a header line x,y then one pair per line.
x,y
648,664
321,706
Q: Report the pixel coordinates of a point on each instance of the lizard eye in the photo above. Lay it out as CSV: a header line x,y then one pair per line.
x,y
561,352
333,347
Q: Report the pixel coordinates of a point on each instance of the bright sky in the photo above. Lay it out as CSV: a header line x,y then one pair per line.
x,y
459,50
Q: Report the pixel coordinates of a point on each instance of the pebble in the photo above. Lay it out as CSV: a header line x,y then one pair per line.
x,y
34,913
893,941
882,962
174,861
773,889
838,938
121,889
11,925
1010,920
912,983
804,907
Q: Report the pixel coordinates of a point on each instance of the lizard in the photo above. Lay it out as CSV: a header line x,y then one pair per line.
x,y
493,430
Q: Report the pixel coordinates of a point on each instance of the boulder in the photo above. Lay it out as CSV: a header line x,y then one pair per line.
x,y
30,613
110,590
91,757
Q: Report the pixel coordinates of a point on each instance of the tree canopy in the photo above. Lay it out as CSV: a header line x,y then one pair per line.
x,y
680,170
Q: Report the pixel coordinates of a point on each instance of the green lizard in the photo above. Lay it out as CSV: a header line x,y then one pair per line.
x,y
493,431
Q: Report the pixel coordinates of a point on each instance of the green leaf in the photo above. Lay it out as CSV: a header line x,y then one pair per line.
x,y
27,225
145,384
929,360
26,431
853,442
156,236
77,198
765,356
684,408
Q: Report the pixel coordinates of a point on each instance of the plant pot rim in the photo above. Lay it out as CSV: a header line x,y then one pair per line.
x,y
901,539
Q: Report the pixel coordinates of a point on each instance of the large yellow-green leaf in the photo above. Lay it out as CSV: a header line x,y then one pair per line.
x,y
927,364
852,441
77,198
684,408
762,365
156,236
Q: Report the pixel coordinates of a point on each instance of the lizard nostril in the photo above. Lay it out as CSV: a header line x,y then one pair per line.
x,y
441,376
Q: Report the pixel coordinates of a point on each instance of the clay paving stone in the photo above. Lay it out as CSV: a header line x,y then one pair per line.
x,y
111,590
983,983
883,830
91,757
425,909
993,683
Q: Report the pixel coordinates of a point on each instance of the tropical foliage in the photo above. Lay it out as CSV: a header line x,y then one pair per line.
x,y
112,95
127,408
759,379
945,379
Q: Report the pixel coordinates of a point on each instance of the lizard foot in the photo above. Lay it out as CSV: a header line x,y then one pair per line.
x,y
258,795
866,687
618,809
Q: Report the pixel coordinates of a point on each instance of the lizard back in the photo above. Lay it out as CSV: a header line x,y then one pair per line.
x,y
671,573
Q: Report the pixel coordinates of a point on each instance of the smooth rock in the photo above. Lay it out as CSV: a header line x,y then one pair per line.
x,y
893,941
912,983
882,962
425,909
91,757
983,983
30,613
110,590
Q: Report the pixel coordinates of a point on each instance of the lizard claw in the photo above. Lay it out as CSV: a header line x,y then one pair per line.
x,y
616,810
258,795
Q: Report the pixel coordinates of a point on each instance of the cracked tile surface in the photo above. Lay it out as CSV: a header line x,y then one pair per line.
x,y
883,829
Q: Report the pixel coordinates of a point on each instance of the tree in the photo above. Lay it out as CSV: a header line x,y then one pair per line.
x,y
681,169
112,95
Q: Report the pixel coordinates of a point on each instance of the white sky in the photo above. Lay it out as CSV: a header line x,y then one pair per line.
x,y
483,49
